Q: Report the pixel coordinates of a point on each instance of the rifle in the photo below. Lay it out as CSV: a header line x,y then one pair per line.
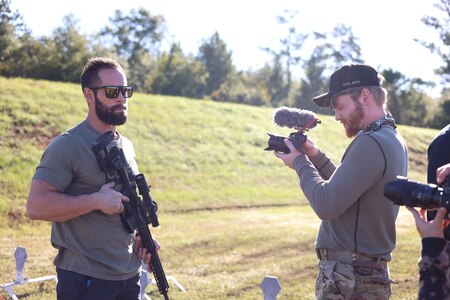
x,y
137,213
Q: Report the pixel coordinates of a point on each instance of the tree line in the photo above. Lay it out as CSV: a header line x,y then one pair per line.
x,y
135,39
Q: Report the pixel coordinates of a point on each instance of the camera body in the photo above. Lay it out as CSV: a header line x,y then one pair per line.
x,y
300,119
277,143
404,191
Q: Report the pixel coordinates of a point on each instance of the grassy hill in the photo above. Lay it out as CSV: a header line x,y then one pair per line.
x,y
198,156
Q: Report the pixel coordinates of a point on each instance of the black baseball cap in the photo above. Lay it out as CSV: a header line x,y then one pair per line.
x,y
347,77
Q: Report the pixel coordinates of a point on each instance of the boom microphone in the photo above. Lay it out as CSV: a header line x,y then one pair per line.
x,y
300,119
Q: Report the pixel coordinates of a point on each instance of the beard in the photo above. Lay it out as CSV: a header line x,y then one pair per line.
x,y
107,115
353,124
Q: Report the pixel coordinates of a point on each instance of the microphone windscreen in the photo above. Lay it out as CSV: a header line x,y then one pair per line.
x,y
301,119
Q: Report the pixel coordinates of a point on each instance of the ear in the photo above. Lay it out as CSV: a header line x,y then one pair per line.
x,y
365,95
89,95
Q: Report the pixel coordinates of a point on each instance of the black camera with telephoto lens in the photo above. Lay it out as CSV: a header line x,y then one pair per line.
x,y
404,191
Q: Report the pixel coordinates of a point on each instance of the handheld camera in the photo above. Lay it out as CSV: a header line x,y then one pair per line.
x,y
300,119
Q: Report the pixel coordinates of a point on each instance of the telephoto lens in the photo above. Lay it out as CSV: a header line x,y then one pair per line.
x,y
404,191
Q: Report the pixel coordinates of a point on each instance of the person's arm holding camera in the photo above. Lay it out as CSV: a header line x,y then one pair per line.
x,y
433,228
310,150
434,271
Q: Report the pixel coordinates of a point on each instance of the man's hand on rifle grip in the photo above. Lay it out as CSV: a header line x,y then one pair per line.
x,y
109,200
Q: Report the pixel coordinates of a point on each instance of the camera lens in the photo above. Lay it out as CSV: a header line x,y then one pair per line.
x,y
403,191
277,143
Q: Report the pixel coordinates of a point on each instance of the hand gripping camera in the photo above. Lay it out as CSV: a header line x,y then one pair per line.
x,y
300,119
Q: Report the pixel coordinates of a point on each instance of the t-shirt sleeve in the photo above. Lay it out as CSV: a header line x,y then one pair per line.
x,y
57,163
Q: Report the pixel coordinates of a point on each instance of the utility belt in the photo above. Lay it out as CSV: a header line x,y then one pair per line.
x,y
345,256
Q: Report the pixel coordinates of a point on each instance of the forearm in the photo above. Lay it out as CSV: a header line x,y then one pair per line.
x,y
433,269
323,164
313,186
50,205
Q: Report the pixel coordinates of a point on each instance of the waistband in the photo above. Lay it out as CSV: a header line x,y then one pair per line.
x,y
345,256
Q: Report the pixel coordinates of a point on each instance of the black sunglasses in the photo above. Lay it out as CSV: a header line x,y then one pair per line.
x,y
112,91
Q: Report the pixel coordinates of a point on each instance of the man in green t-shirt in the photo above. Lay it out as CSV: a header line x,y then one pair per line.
x,y
97,257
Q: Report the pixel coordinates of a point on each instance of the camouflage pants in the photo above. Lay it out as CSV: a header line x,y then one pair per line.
x,y
361,280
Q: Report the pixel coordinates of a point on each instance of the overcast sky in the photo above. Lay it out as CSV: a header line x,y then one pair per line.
x,y
385,28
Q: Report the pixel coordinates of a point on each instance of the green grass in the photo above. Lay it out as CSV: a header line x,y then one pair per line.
x,y
225,254
230,212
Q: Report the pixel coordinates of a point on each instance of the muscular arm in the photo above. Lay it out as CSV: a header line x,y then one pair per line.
x,y
46,203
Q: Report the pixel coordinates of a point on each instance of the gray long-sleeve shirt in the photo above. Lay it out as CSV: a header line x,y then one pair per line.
x,y
349,198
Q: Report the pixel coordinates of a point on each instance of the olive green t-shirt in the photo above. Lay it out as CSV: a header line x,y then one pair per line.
x,y
93,244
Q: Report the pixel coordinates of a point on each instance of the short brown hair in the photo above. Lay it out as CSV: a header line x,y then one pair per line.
x,y
90,71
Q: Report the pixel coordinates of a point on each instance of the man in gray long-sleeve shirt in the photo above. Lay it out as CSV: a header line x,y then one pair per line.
x,y
357,232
